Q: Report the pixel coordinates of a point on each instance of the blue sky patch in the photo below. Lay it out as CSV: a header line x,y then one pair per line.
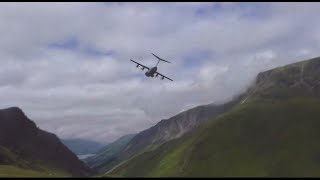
x,y
205,11
250,10
73,44
196,58
70,43
95,52
255,10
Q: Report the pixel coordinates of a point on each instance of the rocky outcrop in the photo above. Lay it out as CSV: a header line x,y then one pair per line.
x,y
299,78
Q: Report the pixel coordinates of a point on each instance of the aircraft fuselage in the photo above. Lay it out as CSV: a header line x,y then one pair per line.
x,y
151,71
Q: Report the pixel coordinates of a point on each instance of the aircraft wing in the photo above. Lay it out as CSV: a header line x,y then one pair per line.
x,y
162,76
138,64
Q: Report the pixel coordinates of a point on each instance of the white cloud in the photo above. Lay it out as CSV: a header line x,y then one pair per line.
x,y
77,94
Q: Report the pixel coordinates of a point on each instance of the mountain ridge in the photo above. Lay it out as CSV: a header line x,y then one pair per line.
x,y
166,130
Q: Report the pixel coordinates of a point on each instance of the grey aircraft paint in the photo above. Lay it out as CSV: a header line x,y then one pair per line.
x,y
152,72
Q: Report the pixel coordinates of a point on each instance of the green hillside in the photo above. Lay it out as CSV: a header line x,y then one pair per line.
x,y
273,132
164,131
14,171
14,166
254,139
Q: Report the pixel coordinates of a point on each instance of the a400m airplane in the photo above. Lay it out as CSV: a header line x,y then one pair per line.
x,y
152,72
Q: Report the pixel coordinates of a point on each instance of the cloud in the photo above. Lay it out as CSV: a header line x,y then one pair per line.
x,y
67,64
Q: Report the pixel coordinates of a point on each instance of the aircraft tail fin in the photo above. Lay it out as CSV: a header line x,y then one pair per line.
x,y
160,58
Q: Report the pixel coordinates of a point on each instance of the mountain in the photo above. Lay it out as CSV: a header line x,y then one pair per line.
x,y
166,130
82,146
26,149
272,132
109,151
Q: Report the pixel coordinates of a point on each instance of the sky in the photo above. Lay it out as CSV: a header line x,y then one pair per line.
x,y
67,65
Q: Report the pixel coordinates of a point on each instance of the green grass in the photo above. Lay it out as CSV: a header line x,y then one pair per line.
x,y
14,166
260,138
13,171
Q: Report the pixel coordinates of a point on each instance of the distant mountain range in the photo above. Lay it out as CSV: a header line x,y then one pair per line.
x,y
82,146
108,152
272,130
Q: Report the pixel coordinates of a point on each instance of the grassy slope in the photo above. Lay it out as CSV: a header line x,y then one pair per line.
x,y
14,171
21,167
258,138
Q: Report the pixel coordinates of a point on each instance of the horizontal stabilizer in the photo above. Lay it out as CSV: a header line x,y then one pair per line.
x,y
160,58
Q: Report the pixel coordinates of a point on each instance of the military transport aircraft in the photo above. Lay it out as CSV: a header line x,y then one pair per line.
x,y
152,72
